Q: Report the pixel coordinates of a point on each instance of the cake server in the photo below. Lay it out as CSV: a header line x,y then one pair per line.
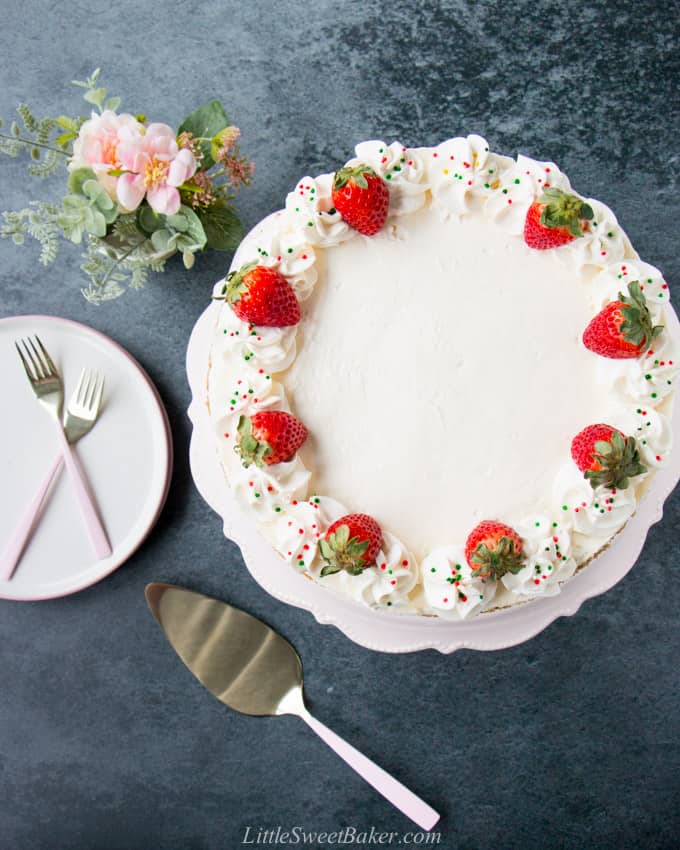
x,y
252,669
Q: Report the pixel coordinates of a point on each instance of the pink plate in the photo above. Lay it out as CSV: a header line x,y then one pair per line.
x,y
389,632
127,456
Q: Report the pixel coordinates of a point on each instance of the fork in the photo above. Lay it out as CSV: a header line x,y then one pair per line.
x,y
81,414
48,388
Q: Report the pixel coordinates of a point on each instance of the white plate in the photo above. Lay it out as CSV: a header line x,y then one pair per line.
x,y
127,457
384,631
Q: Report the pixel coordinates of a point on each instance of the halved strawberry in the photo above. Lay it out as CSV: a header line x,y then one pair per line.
x,y
622,329
270,436
555,219
606,456
361,197
494,549
351,543
262,296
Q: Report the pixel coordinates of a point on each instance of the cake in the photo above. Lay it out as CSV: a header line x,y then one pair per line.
x,y
440,379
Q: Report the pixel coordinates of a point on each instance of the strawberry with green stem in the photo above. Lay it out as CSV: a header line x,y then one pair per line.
x,y
268,437
606,456
261,296
556,218
623,329
494,549
361,197
351,544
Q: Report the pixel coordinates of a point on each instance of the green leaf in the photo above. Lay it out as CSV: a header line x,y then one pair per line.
x,y
78,178
205,122
148,220
66,123
63,139
95,97
112,103
329,570
192,226
222,227
160,239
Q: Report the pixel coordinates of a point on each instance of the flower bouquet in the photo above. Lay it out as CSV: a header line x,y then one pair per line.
x,y
138,191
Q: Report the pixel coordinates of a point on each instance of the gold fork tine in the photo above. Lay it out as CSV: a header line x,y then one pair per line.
x,y
82,386
41,368
99,390
48,359
29,374
91,388
37,371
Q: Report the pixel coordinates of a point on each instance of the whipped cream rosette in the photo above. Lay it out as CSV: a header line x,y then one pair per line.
x,y
483,382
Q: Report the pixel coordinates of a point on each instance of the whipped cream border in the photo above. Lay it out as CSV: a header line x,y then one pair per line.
x,y
459,177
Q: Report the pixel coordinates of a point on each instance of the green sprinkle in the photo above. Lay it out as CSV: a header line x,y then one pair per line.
x,y
257,495
433,569
388,177
290,250
564,508
516,179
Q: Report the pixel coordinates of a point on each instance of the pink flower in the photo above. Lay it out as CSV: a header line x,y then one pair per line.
x,y
155,166
97,145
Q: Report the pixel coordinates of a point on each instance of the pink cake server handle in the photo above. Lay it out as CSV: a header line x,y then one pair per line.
x,y
15,548
98,538
397,794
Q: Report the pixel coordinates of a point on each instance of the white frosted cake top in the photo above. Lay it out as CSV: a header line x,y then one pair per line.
x,y
440,371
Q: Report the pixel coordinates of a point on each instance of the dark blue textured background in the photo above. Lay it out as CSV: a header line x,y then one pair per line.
x,y
569,741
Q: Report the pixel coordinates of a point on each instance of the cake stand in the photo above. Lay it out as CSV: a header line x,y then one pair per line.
x,y
386,631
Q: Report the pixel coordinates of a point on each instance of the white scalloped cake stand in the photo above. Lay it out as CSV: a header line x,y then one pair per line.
x,y
388,632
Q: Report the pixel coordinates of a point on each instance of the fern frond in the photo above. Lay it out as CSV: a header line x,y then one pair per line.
x,y
39,221
43,130
48,166
30,121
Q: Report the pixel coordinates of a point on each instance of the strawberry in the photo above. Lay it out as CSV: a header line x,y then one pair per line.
x,y
555,219
494,549
623,329
351,543
606,456
270,436
361,198
262,296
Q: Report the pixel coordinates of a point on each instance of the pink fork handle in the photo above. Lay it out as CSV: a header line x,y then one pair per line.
x,y
93,523
15,548
397,794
